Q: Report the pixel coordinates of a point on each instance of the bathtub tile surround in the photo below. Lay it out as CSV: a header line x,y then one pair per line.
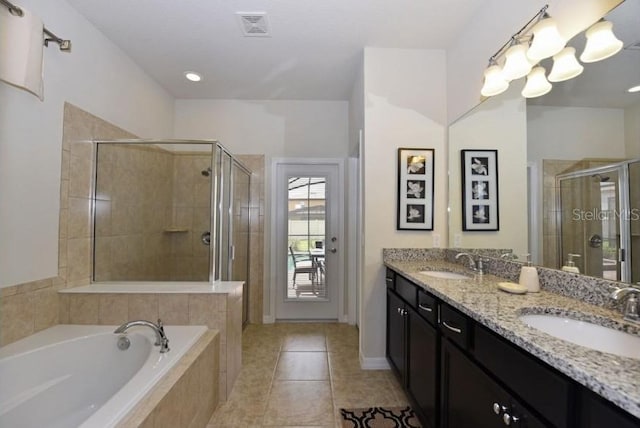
x,y
187,396
273,391
218,307
562,293
30,307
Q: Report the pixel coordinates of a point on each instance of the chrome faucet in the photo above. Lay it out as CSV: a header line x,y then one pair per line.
x,y
161,337
476,266
630,312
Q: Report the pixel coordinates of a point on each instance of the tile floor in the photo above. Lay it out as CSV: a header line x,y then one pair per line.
x,y
300,375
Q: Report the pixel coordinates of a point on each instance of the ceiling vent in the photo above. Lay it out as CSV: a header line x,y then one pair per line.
x,y
254,24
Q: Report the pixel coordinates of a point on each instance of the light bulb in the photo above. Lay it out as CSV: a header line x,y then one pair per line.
x,y
494,83
537,84
192,76
547,41
601,42
565,65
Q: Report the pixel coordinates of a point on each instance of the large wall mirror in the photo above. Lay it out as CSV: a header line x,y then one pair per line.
x,y
152,216
568,182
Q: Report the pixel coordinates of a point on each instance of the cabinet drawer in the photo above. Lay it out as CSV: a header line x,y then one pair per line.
x,y
407,290
539,386
455,325
427,307
390,279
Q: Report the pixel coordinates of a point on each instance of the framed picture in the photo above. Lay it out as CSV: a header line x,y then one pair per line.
x,y
415,189
480,190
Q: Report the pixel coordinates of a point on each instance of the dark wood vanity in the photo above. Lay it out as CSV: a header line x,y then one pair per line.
x,y
459,374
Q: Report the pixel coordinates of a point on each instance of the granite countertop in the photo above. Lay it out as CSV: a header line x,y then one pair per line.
x,y
613,377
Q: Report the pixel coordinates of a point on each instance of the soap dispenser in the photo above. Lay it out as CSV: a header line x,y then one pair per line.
x,y
571,265
529,276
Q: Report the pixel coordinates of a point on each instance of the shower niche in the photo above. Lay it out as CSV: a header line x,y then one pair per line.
x,y
169,211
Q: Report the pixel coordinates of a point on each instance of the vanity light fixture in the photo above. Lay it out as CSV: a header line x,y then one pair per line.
x,y
193,76
634,89
547,40
601,42
565,65
516,63
537,84
494,82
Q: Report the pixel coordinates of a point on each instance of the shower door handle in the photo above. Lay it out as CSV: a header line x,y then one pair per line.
x,y
206,238
595,241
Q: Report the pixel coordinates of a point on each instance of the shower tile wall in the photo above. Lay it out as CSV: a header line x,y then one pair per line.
x,y
153,205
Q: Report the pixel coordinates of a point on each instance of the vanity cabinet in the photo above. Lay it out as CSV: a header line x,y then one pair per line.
x,y
459,374
413,346
471,398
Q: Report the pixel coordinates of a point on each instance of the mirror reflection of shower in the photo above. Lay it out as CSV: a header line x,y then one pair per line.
x,y
599,218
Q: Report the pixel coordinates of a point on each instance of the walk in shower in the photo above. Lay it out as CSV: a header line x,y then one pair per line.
x,y
599,220
171,210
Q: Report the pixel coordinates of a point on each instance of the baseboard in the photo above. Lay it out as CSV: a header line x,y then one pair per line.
x,y
374,363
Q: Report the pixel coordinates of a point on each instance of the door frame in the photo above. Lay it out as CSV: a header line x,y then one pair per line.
x,y
340,230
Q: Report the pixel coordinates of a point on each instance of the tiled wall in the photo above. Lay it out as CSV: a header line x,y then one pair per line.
x,y
152,207
256,235
31,307
186,396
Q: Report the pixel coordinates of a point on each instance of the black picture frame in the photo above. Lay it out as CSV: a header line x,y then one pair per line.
x,y
480,197
415,189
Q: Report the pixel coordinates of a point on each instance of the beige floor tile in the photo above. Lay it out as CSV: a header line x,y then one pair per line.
x,y
304,342
356,392
299,403
302,366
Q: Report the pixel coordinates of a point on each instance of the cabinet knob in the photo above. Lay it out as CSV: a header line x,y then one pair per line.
x,y
506,418
509,419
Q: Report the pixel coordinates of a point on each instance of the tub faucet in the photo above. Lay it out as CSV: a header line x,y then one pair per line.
x,y
631,308
161,338
476,266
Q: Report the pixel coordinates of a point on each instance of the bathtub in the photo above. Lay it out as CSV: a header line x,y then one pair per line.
x,y
75,375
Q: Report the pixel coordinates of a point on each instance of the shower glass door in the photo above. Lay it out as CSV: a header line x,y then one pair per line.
x,y
590,222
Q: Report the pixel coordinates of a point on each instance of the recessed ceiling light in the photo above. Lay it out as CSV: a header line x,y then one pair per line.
x,y
634,89
193,76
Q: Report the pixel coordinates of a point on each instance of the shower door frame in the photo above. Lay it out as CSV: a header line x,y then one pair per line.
x,y
622,169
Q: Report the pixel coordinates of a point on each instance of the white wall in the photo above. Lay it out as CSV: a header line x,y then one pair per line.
x,y
273,128
632,131
405,106
574,133
492,26
499,123
96,76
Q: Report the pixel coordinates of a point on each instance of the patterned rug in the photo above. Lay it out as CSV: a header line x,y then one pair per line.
x,y
379,417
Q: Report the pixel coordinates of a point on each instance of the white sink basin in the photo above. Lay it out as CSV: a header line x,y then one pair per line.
x,y
443,274
586,334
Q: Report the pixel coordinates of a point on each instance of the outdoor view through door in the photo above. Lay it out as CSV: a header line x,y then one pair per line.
x,y
306,228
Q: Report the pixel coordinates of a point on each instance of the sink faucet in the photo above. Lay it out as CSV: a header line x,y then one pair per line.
x,y
161,338
476,266
630,312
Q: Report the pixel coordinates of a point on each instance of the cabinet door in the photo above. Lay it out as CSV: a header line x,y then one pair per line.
x,y
470,398
396,332
423,369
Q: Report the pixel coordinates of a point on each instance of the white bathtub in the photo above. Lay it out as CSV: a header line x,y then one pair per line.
x,y
75,376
